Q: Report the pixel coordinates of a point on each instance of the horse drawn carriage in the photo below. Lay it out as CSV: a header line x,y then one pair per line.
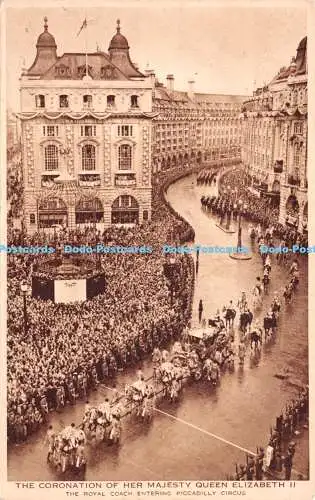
x,y
140,399
66,453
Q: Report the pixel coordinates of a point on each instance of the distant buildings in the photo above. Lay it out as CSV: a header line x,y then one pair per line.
x,y
274,148
192,127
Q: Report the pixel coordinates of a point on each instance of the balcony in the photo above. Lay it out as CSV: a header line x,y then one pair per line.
x,y
125,180
89,180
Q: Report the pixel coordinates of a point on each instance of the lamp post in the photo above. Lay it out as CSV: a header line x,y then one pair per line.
x,y
24,291
240,255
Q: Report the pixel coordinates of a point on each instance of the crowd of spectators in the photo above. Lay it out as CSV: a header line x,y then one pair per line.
x,y
234,185
68,348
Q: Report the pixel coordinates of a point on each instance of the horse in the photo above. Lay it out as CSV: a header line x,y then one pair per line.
x,y
257,297
246,319
287,294
275,307
294,282
270,323
229,316
256,338
266,282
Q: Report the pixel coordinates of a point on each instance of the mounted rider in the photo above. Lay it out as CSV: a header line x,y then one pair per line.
x,y
156,357
105,410
242,303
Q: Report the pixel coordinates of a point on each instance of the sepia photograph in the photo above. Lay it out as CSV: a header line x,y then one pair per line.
x,y
157,246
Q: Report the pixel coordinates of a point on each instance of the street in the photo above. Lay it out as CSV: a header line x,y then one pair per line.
x,y
240,410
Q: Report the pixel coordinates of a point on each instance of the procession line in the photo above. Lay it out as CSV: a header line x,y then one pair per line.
x,y
201,430
206,432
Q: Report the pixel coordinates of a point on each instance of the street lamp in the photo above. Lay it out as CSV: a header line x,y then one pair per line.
x,y
240,255
25,291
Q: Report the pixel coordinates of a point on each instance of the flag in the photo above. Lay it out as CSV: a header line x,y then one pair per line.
x,y
84,25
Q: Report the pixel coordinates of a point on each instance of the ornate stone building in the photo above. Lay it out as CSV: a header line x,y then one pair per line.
x,y
192,127
94,128
274,148
86,137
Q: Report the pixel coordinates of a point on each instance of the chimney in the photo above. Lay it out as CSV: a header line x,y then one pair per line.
x,y
170,83
149,73
191,89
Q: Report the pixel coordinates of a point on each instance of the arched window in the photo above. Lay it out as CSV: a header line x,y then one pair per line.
x,y
51,157
89,210
52,211
125,210
88,157
124,157
40,101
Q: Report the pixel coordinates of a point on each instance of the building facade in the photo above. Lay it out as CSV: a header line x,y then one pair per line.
x,y
94,128
274,148
86,124
192,127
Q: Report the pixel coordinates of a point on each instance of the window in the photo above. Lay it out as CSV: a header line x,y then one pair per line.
x,y
124,130
134,101
298,128
51,157
296,156
124,157
88,130
32,218
63,71
110,101
88,157
145,215
40,101
87,101
63,101
50,130
82,70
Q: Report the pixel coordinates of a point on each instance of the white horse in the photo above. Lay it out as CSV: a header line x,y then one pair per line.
x,y
257,297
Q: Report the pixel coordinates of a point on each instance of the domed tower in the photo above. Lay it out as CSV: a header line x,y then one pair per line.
x,y
301,57
119,54
46,54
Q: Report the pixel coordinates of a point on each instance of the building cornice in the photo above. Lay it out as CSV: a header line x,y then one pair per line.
x,y
79,116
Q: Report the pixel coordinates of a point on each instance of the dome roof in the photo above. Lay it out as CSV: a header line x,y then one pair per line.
x,y
301,57
118,41
302,44
45,39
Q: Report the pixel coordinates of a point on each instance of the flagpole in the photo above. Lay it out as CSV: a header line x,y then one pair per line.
x,y
86,56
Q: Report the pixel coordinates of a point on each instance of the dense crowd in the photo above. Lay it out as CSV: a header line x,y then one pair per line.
x,y
14,184
69,348
233,189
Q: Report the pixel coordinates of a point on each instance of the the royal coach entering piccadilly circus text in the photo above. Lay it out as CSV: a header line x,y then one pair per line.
x,y
157,247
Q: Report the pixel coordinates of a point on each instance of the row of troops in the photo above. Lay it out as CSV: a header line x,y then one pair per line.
x,y
207,176
278,455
